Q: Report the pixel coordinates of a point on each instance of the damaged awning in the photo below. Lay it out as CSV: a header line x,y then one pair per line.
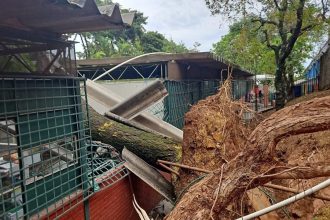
x,y
38,25
64,16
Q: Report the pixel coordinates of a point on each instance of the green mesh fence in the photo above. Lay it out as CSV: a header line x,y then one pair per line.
x,y
183,94
43,145
106,167
47,159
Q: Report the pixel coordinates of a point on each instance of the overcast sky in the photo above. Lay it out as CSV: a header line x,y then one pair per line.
x,y
186,21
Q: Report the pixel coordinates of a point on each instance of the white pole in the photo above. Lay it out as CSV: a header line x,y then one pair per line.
x,y
287,201
127,61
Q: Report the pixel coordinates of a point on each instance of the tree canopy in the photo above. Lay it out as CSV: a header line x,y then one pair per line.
x,y
246,47
282,26
131,41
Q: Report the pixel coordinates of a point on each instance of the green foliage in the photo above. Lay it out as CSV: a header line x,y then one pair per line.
x,y
171,47
152,42
131,41
243,46
11,64
287,27
246,47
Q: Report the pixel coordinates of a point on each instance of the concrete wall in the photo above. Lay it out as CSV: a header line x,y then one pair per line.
x,y
324,82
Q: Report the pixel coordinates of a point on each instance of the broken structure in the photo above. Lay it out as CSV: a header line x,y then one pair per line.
x,y
50,168
188,78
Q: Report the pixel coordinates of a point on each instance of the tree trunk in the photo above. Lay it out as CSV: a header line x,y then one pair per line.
x,y
150,147
289,83
280,86
256,164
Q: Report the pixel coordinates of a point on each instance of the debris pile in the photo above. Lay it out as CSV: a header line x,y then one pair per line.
x,y
216,139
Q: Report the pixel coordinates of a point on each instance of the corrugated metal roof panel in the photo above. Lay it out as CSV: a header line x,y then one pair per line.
x,y
79,3
61,16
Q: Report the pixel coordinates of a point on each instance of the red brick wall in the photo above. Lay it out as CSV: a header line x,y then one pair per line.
x,y
115,202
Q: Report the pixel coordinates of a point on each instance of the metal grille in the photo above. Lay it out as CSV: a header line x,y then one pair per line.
x,y
105,166
43,150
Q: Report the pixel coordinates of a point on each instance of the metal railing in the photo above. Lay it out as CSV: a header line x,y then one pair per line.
x,y
306,87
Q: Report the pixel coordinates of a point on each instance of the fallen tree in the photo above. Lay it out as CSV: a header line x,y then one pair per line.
x,y
149,146
248,161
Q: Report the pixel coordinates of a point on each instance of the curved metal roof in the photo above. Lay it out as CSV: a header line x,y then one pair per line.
x,y
205,60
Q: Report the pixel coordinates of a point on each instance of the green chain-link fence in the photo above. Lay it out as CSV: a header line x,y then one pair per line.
x,y
183,94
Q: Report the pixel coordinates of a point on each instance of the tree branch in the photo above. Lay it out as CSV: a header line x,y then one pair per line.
x,y
271,46
308,28
301,173
264,21
277,5
325,9
296,32
282,33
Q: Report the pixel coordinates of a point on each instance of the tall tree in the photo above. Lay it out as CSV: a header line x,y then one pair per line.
x,y
282,22
131,41
243,46
246,47
152,42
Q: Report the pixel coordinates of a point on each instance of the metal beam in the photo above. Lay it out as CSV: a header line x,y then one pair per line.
x,y
30,49
127,62
59,51
148,174
20,59
109,75
6,63
95,72
102,100
153,71
138,72
122,73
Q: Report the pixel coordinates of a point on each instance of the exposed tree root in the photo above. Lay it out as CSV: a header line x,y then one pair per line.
x,y
256,162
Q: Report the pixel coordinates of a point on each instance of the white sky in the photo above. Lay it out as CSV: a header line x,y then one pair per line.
x,y
186,21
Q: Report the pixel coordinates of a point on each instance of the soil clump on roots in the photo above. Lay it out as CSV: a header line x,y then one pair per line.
x,y
216,139
214,134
